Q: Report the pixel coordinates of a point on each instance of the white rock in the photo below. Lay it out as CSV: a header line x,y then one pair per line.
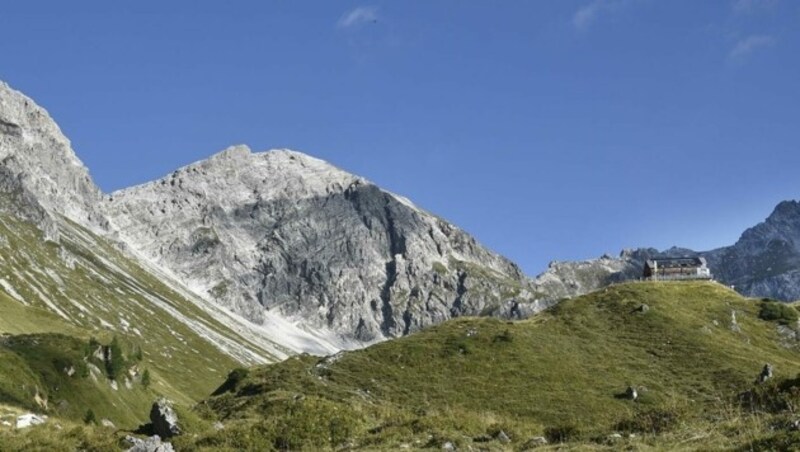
x,y
29,420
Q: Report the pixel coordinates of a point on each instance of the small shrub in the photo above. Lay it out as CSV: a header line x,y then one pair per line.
x,y
561,433
780,440
89,417
774,311
236,376
91,346
313,424
146,378
654,420
137,354
773,396
505,336
455,346
115,360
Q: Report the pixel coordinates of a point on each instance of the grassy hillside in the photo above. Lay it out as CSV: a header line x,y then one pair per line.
x,y
561,375
55,296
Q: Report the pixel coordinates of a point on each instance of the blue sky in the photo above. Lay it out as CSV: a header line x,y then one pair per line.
x,y
549,130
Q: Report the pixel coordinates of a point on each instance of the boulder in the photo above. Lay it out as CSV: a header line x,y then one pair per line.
x,y
536,441
107,423
734,323
29,420
503,437
151,444
164,419
766,373
631,393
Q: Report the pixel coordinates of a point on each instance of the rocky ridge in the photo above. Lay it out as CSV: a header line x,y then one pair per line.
x,y
765,261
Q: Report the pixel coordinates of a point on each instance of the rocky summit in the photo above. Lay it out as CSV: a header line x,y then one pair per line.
x,y
39,168
282,232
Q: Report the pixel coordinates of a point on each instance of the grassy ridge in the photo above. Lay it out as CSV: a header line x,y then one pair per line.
x,y
560,375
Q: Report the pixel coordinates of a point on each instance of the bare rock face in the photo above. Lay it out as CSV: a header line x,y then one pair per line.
x,y
40,176
765,261
151,444
281,231
164,419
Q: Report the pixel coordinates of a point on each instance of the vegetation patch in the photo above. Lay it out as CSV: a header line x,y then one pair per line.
x,y
775,311
557,375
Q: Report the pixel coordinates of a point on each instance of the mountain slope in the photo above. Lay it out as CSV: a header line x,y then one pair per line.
x,y
62,272
282,232
561,374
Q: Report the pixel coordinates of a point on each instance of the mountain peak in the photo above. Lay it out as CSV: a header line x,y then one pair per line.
x,y
785,210
235,152
38,161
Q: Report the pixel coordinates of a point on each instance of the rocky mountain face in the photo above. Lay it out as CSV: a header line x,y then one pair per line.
x,y
39,170
282,232
765,261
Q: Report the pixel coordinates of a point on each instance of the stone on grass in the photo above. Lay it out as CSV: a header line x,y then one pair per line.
x,y
503,438
164,419
29,420
766,373
536,441
151,444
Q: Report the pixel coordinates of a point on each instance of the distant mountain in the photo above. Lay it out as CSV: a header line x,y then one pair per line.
x,y
765,261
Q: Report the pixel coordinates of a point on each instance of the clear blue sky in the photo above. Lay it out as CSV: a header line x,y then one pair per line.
x,y
549,130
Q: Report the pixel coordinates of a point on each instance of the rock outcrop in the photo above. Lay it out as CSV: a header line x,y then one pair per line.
x,y
280,231
164,420
40,176
765,261
151,444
